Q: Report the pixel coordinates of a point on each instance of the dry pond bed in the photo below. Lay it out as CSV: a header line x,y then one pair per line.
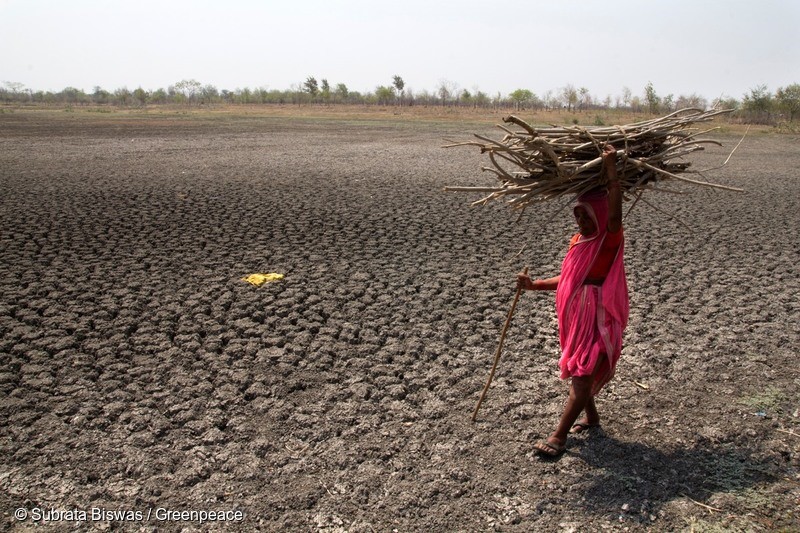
x,y
138,372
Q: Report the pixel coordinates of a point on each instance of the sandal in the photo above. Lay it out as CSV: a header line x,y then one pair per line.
x,y
581,426
545,447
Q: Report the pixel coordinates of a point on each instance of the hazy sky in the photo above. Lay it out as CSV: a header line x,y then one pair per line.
x,y
681,46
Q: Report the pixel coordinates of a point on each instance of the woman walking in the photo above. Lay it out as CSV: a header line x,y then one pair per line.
x,y
591,304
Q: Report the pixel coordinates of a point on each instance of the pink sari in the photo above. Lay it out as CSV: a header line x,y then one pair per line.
x,y
591,318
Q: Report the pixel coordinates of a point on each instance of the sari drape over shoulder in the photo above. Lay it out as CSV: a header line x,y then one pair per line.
x,y
591,318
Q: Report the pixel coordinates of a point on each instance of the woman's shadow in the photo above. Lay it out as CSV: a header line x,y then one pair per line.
x,y
639,478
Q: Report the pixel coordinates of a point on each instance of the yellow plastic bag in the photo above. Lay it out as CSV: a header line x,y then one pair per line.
x,y
260,279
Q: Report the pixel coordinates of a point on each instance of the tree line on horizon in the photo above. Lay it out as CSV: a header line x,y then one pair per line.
x,y
758,105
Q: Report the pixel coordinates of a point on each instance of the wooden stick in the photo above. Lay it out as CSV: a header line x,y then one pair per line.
x,y
681,178
707,507
472,189
499,349
731,154
522,123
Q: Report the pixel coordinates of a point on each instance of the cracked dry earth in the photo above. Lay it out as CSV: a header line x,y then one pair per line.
x,y
137,370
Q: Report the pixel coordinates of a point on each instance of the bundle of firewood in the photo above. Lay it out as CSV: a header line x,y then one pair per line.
x,y
536,164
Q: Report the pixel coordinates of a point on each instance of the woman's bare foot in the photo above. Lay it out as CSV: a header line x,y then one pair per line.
x,y
552,446
584,425
589,421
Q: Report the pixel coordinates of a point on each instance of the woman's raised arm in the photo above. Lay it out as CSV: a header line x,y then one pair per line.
x,y
614,192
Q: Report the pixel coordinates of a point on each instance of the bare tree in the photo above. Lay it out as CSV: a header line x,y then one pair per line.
x,y
446,90
547,99
626,97
122,96
569,96
693,100
725,102
14,86
297,93
188,88
585,98
209,94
